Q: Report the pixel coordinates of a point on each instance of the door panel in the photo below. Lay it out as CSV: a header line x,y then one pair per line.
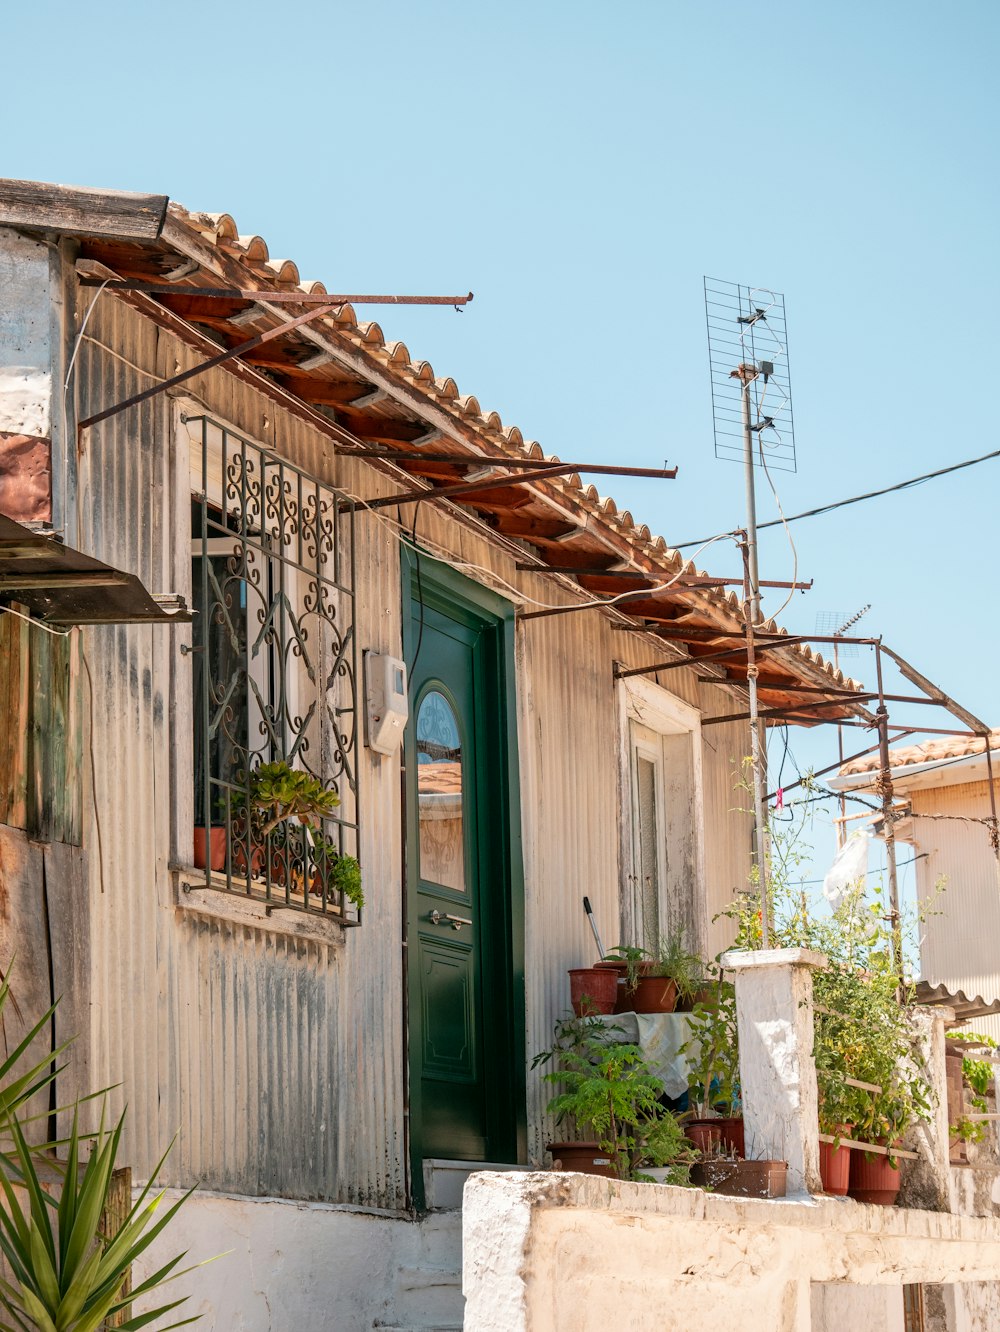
x,y
465,1059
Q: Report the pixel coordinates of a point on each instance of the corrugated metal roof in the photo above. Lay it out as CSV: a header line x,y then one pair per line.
x,y
966,1008
63,586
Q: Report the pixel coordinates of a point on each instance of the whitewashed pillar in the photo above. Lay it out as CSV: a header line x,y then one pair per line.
x,y
774,1016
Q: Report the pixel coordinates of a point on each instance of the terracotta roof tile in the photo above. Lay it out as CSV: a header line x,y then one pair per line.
x,y
949,747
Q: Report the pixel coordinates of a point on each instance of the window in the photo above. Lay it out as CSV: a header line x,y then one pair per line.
x,y
661,841
275,667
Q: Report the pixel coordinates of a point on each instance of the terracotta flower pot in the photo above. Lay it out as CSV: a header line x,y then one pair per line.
x,y
623,1003
835,1163
731,1128
742,1179
593,990
706,1136
585,1157
216,848
873,1180
654,994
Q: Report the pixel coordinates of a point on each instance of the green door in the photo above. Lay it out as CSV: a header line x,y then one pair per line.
x,y
465,987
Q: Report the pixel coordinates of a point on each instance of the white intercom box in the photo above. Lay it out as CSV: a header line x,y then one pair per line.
x,y
385,701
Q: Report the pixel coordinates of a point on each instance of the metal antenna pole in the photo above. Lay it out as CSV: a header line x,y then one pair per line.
x,y
760,828
888,830
746,374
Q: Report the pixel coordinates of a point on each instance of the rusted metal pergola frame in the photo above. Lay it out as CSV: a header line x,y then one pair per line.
x,y
528,469
933,696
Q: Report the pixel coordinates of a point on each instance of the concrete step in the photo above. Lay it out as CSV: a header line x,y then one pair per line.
x,y
428,1294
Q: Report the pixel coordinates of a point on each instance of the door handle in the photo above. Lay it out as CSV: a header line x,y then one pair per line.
x,y
456,922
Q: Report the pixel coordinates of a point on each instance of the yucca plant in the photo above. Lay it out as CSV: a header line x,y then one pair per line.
x,y
66,1275
18,1086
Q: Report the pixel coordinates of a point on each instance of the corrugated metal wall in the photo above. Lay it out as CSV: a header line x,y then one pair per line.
x,y
281,1061
961,940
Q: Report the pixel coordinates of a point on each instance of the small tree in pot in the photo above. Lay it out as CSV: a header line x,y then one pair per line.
x,y
610,1091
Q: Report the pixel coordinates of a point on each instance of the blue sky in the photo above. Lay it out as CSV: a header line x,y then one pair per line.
x,y
581,167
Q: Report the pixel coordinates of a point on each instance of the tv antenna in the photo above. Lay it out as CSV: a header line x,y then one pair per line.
x,y
751,391
752,417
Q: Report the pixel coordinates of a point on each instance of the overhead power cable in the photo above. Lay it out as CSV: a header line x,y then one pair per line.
x,y
856,499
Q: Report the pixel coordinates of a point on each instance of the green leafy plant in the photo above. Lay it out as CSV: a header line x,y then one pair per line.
x,y
672,959
279,793
632,959
714,1054
611,1092
978,1080
66,1275
19,1084
337,872
862,1029
65,1271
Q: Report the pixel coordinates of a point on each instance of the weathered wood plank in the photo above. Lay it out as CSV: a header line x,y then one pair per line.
x,y
43,743
79,211
14,700
113,1218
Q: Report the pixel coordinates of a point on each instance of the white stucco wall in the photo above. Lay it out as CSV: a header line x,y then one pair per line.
x,y
284,1265
554,1252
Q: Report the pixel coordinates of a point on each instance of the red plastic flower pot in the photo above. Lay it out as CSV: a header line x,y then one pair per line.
x,y
654,994
593,990
706,1136
873,1179
835,1164
216,848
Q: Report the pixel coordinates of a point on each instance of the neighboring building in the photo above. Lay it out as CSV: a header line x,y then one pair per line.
x,y
944,786
334,1076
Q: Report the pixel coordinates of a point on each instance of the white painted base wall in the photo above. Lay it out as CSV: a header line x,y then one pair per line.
x,y
312,1266
837,1308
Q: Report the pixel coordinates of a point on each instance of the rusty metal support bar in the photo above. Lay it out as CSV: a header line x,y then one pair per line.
x,y
708,657
821,772
802,713
499,483
973,722
783,687
888,830
525,464
709,581
994,826
271,297
231,354
613,602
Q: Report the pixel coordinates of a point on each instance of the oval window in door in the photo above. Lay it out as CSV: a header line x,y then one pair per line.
x,y
439,793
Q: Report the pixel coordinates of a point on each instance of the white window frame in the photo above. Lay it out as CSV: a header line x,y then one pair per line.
x,y
651,706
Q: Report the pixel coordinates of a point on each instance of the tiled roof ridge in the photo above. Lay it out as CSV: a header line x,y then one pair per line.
x,y
222,231
908,756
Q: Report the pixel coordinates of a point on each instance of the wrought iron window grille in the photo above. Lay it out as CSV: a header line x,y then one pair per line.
x,y
275,667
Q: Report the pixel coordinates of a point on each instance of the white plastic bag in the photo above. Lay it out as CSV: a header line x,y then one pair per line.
x,y
850,867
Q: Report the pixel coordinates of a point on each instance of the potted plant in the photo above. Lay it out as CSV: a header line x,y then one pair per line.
x,y
279,798
624,962
970,1083
210,843
335,872
610,1092
714,1077
593,990
654,978
863,1036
